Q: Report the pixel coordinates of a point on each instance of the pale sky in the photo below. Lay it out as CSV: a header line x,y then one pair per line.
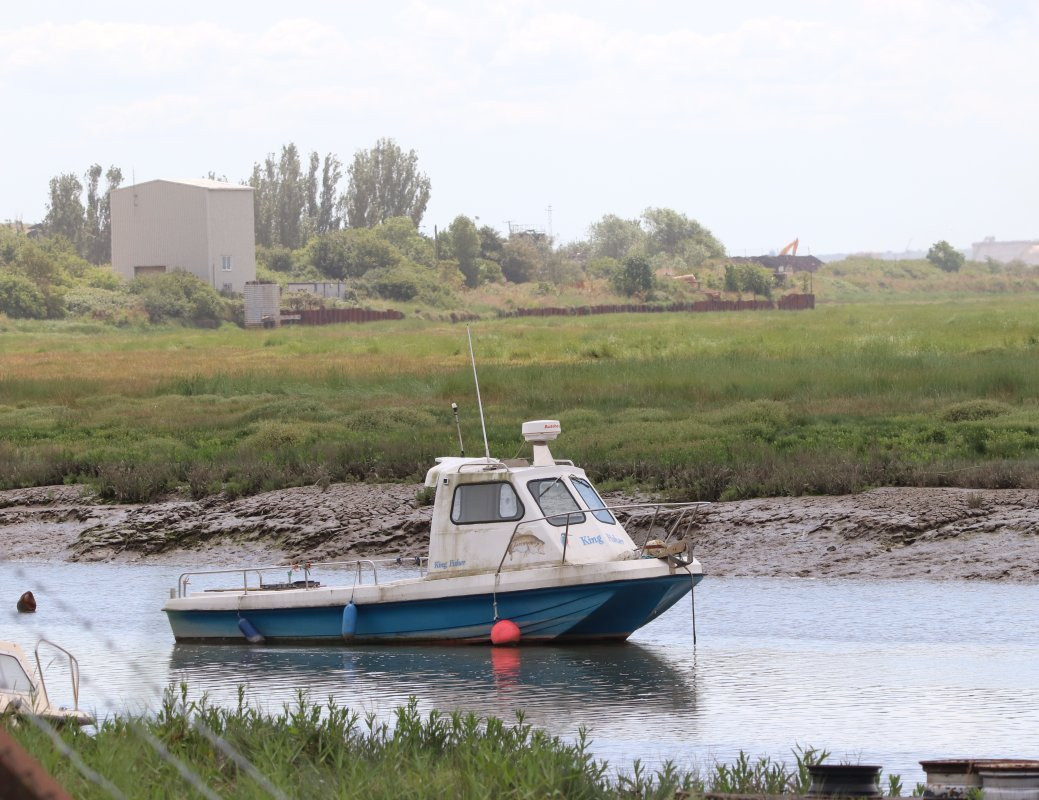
x,y
854,125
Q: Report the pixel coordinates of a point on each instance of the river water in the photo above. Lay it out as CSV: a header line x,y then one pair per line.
x,y
885,672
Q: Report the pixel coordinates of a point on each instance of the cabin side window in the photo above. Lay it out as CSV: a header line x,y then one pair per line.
x,y
485,502
556,502
592,500
12,676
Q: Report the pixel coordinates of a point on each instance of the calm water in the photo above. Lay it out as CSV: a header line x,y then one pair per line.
x,y
885,672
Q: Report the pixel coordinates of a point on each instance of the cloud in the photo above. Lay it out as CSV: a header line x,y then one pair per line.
x,y
899,83
910,58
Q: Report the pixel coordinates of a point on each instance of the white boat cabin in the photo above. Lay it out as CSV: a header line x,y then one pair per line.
x,y
490,513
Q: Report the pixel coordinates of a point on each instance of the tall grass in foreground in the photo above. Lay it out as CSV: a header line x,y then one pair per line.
x,y
313,750
702,406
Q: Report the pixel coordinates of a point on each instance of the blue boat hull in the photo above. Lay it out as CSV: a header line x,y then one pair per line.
x,y
612,610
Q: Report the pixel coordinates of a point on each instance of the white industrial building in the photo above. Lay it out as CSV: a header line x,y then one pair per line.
x,y
204,227
1006,252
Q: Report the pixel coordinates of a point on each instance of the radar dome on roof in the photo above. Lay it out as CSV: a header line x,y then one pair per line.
x,y
541,430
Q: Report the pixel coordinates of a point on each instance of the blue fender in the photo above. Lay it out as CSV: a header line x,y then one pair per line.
x,y
250,633
349,620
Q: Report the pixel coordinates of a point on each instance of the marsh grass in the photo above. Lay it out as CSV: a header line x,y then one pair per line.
x,y
325,750
702,406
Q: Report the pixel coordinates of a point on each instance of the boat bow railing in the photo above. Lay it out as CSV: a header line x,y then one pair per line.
x,y
358,566
73,672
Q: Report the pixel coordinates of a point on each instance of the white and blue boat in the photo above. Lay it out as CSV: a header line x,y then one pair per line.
x,y
518,551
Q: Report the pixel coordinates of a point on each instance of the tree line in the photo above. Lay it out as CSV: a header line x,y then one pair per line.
x,y
316,220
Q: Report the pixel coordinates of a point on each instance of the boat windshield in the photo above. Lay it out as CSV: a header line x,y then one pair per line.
x,y
552,498
12,676
592,500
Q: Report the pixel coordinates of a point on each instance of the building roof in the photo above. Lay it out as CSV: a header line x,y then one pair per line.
x,y
787,263
201,183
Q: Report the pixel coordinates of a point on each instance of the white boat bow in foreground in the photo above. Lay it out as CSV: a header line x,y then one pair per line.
x,y
23,690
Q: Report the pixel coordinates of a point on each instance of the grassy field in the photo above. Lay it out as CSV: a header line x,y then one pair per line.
x,y
309,750
863,279
700,405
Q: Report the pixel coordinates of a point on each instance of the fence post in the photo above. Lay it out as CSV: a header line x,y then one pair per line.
x,y
23,776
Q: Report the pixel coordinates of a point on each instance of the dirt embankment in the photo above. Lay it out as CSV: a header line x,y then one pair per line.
x,y
884,533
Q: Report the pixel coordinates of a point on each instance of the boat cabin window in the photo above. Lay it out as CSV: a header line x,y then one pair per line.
x,y
12,676
592,500
485,502
553,498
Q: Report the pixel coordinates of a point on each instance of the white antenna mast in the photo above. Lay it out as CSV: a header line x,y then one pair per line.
x,y
479,402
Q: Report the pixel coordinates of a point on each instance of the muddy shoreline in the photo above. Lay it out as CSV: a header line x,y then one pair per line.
x,y
884,533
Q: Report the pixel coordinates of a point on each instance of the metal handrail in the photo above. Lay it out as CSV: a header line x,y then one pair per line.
x,y
490,466
73,672
356,564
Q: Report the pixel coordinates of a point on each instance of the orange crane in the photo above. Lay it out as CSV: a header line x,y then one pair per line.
x,y
790,249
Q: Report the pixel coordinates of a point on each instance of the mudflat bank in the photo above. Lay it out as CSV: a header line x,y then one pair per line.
x,y
883,533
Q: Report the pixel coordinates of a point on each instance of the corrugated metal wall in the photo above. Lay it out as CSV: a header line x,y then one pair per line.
x,y
183,226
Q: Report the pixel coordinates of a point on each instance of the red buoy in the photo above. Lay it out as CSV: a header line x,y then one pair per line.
x,y
505,631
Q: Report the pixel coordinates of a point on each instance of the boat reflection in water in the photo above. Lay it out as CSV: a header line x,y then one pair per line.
x,y
608,688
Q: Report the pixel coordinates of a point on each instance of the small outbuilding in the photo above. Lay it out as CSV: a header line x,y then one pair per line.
x,y
204,227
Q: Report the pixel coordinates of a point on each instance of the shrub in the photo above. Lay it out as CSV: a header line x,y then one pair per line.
x,y
115,306
408,281
395,284
278,259
179,296
20,298
350,253
132,481
634,277
974,410
520,258
946,257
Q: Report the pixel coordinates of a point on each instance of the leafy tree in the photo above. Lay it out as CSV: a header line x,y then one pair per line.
x,y
65,213
520,259
613,237
291,198
97,239
264,180
278,259
404,236
946,257
490,271
602,267
732,280
328,218
285,200
634,277
492,244
92,219
350,253
384,182
395,283
673,233
310,186
465,245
